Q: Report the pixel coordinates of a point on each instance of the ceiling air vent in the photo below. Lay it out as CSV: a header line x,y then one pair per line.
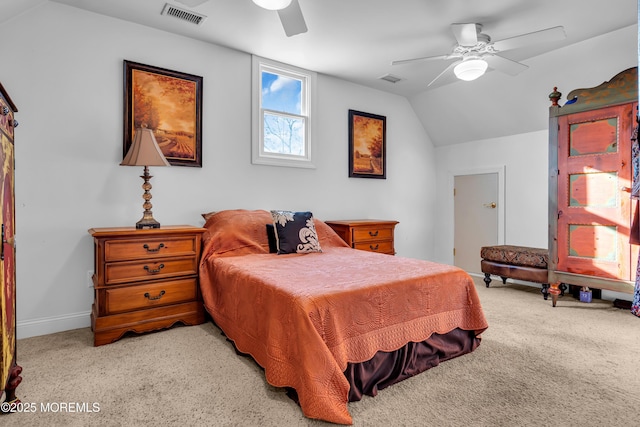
x,y
391,78
185,15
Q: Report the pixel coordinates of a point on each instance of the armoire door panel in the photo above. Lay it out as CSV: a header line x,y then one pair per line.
x,y
595,249
582,236
595,137
594,190
594,174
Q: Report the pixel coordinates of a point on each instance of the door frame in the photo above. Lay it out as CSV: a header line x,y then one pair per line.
x,y
500,170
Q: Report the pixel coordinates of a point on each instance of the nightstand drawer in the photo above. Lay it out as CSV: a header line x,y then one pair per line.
x,y
124,272
125,250
146,295
366,234
382,247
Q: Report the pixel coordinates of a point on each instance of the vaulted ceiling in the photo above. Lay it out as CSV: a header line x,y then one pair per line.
x,y
356,40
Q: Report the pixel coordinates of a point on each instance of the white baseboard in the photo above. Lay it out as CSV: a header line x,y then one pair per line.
x,y
51,325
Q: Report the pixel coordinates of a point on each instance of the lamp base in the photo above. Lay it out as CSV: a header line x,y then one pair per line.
x,y
147,223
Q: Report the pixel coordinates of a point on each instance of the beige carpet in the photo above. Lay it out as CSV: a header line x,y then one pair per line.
x,y
574,365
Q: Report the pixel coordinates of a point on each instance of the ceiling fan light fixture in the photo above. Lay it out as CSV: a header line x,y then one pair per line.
x,y
470,69
273,4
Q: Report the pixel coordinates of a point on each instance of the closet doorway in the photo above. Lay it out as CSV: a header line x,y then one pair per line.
x,y
478,216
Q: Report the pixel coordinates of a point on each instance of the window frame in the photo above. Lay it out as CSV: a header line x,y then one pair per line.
x,y
308,94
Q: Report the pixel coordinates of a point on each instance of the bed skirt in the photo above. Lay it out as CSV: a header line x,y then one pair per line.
x,y
387,368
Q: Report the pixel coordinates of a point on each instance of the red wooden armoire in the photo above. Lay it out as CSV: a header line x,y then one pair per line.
x,y
9,370
590,208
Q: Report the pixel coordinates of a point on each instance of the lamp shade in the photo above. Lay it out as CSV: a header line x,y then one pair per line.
x,y
470,69
144,150
273,4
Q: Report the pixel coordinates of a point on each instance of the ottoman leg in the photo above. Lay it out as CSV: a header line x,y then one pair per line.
x,y
563,288
487,279
545,291
504,280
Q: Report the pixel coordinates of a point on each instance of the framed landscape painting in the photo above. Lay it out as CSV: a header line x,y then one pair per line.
x,y
170,104
367,145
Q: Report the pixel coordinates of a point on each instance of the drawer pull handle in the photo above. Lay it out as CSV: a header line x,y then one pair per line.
x,y
150,298
374,248
156,271
160,246
373,233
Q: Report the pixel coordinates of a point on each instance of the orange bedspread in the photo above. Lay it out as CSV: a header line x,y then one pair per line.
x,y
302,317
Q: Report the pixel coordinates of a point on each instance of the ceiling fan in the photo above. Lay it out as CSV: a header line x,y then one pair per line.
x,y
290,15
475,52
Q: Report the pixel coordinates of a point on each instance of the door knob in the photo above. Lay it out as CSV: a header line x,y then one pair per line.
x,y
491,205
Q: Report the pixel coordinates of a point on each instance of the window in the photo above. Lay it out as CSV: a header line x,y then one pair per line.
x,y
282,100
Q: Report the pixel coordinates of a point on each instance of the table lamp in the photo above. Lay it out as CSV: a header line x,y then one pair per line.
x,y
144,151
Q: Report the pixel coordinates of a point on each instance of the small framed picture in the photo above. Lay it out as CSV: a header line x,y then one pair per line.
x,y
170,104
367,145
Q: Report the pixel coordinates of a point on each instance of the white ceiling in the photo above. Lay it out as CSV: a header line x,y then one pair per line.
x,y
356,40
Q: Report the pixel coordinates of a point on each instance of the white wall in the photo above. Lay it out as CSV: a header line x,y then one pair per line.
x,y
525,161
64,71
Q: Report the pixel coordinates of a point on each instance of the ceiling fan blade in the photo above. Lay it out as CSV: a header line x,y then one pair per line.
x,y
466,34
292,19
547,35
424,58
505,65
446,76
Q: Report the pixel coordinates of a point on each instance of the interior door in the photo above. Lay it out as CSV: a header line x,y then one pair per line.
x,y
594,181
475,218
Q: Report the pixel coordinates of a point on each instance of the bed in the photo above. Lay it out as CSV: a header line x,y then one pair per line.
x,y
332,323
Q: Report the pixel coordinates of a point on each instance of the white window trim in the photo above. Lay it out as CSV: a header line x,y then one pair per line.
x,y
258,155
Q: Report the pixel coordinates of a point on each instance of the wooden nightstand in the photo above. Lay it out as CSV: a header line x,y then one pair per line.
x,y
145,280
371,235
